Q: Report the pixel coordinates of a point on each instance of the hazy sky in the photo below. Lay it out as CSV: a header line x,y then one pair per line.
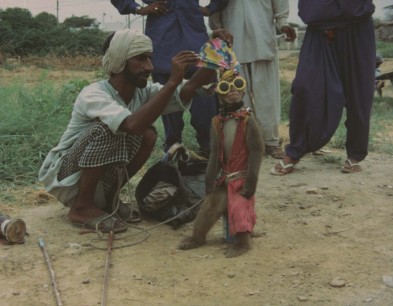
x,y
97,8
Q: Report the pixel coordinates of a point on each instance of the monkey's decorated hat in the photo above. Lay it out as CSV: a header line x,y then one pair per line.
x,y
216,54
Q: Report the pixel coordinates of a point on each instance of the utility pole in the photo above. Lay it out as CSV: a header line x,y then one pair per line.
x,y
103,21
57,11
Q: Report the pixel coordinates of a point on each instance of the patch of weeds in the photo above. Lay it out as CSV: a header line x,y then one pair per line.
x,y
9,66
285,100
330,159
339,138
385,48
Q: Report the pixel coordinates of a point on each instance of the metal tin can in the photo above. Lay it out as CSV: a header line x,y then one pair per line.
x,y
14,230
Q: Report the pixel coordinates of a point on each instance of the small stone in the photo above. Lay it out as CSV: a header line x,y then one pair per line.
x,y
388,280
231,275
86,281
302,298
256,292
73,245
312,190
337,282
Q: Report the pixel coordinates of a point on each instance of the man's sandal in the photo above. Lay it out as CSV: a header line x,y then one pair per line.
x,y
282,169
351,167
103,224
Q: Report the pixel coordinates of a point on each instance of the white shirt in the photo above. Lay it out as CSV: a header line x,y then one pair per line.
x,y
96,101
253,24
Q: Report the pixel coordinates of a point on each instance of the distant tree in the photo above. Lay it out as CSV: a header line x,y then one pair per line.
x,y
17,18
45,20
5,34
21,34
83,42
80,22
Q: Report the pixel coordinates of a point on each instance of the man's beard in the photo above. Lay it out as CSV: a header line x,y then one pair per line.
x,y
135,79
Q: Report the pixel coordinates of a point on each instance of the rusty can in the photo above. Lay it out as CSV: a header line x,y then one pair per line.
x,y
14,230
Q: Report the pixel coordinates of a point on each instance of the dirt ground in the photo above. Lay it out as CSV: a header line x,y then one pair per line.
x,y
326,240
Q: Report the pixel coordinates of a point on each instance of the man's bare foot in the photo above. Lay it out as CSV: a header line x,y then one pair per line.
x,y
83,215
95,219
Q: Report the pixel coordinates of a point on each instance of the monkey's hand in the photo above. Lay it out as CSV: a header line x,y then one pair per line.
x,y
247,191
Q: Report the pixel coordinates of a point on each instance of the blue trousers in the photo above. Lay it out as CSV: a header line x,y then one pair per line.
x,y
202,110
335,71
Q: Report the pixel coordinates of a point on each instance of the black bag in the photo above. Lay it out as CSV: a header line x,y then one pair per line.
x,y
188,183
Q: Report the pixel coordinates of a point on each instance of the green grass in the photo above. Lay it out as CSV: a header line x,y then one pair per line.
x,y
385,49
285,100
31,123
33,119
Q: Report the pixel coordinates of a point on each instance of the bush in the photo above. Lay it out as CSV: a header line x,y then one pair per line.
x,y
21,35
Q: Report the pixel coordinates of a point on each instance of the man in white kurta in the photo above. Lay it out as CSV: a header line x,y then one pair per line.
x,y
110,131
97,101
253,24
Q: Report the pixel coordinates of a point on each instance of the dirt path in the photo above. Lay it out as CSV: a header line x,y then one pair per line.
x,y
327,240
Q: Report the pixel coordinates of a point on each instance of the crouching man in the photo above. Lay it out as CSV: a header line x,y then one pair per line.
x,y
110,135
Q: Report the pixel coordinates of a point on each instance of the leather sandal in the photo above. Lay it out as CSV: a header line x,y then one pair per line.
x,y
282,169
351,167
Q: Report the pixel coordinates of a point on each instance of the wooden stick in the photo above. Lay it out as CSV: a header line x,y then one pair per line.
x,y
51,271
107,265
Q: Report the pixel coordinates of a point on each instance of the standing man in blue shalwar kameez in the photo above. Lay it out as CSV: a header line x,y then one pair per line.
x,y
336,71
176,25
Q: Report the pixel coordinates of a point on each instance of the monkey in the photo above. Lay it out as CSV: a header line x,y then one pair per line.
x,y
235,158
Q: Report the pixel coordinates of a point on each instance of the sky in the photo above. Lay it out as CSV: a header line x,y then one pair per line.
x,y
104,12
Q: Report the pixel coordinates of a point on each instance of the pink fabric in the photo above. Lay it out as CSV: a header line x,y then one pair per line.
x,y
241,211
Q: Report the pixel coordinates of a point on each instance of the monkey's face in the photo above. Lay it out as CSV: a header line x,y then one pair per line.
x,y
231,90
232,97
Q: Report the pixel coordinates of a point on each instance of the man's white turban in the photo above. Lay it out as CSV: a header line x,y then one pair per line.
x,y
124,45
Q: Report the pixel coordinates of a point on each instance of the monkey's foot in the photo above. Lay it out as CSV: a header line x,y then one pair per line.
x,y
236,250
254,234
189,243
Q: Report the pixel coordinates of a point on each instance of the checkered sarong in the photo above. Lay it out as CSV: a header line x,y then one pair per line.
x,y
98,146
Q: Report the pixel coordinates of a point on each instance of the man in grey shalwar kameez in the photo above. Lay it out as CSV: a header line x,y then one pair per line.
x,y
253,24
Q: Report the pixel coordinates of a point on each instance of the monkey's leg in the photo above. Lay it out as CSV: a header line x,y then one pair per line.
x,y
211,210
240,246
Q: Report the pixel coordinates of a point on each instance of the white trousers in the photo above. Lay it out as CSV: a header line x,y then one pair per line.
x,y
263,96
